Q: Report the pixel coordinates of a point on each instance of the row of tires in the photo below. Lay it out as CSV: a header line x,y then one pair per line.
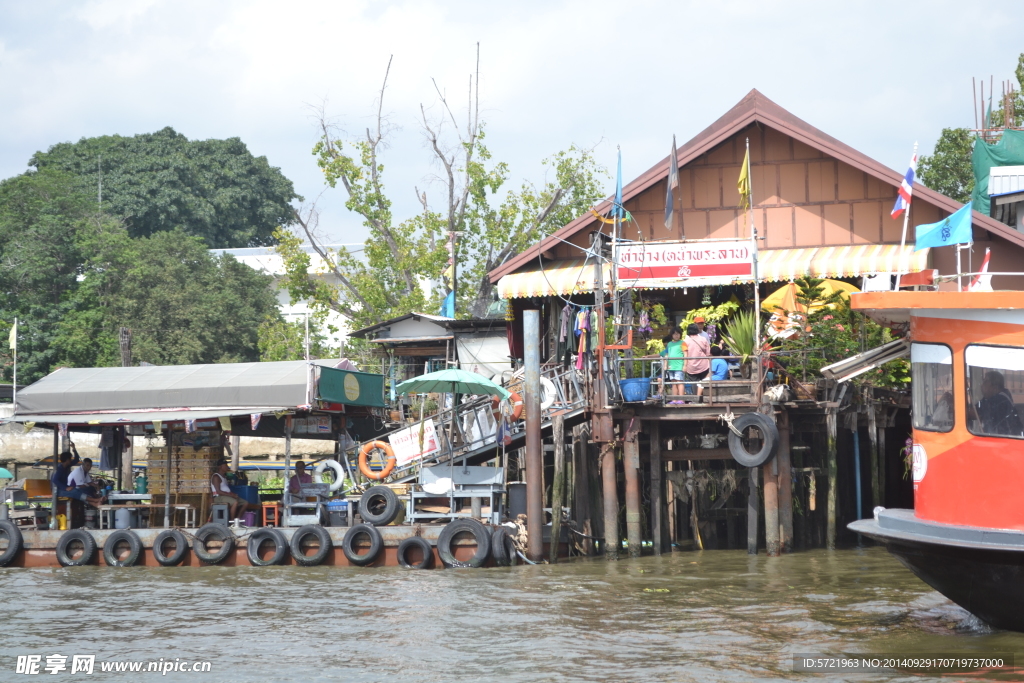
x,y
309,546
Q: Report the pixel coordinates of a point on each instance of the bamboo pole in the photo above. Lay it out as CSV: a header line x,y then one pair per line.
x,y
832,468
656,497
557,485
785,481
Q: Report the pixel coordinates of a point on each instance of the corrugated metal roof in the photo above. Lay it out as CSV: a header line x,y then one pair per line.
x,y
1005,179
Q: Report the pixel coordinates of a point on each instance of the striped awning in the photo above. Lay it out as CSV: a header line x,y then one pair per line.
x,y
845,261
564,278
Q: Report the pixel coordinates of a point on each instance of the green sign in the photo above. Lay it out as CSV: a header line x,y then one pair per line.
x,y
351,388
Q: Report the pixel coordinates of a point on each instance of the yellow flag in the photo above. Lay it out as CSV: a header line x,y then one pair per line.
x,y
743,184
13,340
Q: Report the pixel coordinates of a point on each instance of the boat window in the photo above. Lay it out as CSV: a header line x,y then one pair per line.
x,y
995,390
931,368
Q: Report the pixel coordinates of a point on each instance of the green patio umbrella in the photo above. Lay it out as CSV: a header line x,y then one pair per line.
x,y
5,474
452,381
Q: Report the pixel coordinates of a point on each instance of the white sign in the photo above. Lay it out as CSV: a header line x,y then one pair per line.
x,y
685,264
406,442
919,463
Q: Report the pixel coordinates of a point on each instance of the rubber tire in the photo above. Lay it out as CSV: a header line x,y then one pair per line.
x,y
392,506
134,552
339,473
423,545
14,542
448,533
205,532
181,547
376,544
326,545
89,543
503,548
257,539
770,442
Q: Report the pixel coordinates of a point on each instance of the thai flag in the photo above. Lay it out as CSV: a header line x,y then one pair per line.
x,y
906,188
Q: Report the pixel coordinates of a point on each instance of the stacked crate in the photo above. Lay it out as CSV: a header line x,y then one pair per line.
x,y
190,469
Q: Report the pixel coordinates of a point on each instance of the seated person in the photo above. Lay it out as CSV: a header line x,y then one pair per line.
x,y
943,415
59,478
995,410
221,490
301,476
80,485
719,366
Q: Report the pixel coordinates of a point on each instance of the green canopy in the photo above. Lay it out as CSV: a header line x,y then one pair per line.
x,y
351,388
5,474
452,381
1008,151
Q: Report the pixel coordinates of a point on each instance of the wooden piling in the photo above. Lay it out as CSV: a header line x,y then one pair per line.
x,y
656,498
752,502
832,467
785,480
581,477
631,466
876,492
771,507
881,426
557,484
612,540
670,494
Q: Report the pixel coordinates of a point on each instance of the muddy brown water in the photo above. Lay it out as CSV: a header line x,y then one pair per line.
x,y
688,616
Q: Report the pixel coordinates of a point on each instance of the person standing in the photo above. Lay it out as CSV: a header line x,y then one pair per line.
x,y
698,362
675,355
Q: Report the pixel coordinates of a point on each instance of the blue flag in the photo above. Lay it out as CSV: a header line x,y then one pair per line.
x,y
448,306
954,229
618,211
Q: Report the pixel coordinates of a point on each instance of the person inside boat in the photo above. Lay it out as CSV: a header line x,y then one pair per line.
x,y
59,478
943,414
301,476
995,410
81,487
222,493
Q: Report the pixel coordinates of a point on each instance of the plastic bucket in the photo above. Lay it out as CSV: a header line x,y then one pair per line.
x,y
125,518
636,389
249,519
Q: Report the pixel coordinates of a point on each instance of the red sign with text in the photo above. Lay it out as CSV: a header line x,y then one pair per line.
x,y
684,264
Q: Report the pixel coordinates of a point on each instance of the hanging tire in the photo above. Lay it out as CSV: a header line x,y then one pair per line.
x,y
769,439
349,544
14,542
216,532
339,473
175,557
503,548
322,537
110,548
379,506
459,526
258,538
415,542
65,549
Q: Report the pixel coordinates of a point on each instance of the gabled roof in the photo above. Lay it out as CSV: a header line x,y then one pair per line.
x,y
361,333
754,108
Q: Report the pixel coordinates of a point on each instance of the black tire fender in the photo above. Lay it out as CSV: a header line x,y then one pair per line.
x,y
180,547
415,542
216,531
134,548
451,530
258,538
88,545
324,538
14,542
376,544
769,441
503,548
379,506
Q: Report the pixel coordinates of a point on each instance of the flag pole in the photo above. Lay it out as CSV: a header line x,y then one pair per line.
x,y
753,240
14,382
906,221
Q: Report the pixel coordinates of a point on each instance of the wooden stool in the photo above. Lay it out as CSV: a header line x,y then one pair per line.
x,y
271,514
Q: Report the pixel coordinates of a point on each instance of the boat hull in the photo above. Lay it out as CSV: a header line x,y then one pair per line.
x,y
982,570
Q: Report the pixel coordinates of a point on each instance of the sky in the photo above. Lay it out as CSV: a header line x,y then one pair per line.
x,y
598,74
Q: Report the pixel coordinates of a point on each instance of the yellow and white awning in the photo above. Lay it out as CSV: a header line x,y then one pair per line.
x,y
844,261
566,278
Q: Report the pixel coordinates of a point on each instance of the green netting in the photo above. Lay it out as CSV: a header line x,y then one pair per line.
x,y
1009,151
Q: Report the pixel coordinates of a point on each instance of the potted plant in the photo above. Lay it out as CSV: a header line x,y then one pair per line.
x,y
738,335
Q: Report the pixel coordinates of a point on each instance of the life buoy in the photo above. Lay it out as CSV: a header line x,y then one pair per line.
x,y
339,473
517,406
548,392
364,453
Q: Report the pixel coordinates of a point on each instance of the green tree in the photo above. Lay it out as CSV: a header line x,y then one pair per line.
x,y
401,256
162,181
948,169
283,340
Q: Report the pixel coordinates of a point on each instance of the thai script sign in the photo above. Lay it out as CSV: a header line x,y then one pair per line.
x,y
406,442
684,264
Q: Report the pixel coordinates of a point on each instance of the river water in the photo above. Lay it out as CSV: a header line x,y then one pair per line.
x,y
688,616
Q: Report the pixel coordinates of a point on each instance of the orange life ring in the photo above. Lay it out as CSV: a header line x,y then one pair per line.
x,y
364,453
517,406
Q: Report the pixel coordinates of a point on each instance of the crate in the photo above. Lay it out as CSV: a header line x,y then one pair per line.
x,y
38,488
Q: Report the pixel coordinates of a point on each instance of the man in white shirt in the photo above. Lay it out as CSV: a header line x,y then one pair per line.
x,y
80,485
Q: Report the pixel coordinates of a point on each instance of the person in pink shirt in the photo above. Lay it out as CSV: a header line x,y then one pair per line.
x,y
698,363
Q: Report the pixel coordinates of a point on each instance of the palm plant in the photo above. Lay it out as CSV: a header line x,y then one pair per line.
x,y
738,335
